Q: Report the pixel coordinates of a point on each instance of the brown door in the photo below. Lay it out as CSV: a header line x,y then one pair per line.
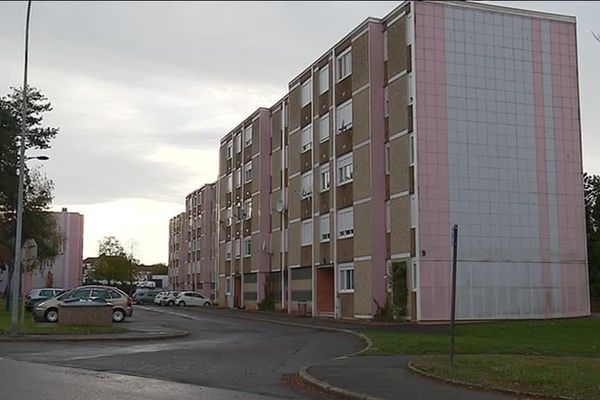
x,y
325,290
237,292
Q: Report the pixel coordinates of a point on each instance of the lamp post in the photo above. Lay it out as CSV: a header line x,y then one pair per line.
x,y
17,265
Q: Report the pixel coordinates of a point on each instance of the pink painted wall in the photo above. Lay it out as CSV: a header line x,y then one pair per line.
x,y
499,153
67,267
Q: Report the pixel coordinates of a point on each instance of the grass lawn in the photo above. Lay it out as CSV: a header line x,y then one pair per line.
x,y
35,328
575,377
557,357
568,337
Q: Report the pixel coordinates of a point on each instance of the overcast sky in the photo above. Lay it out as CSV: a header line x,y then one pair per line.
x,y
142,92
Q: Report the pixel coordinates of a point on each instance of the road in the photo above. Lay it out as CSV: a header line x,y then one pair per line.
x,y
222,358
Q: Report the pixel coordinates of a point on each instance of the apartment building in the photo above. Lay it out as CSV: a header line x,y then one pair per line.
x,y
201,236
244,218
66,269
177,252
340,198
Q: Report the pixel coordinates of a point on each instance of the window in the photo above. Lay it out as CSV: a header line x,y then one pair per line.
x,y
100,294
229,150
247,246
324,128
228,251
346,278
228,285
325,177
346,223
238,143
248,135
236,248
344,64
307,232
228,182
345,169
248,171
237,177
228,215
325,235
412,149
306,92
414,275
344,117
306,189
387,158
306,139
386,102
248,208
385,45
388,217
324,79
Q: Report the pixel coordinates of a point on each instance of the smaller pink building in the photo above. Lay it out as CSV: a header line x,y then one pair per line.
x,y
66,270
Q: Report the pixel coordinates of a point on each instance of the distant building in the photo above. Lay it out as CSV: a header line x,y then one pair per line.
x,y
66,270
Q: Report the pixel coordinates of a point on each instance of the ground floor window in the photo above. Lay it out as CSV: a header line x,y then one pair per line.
x,y
346,278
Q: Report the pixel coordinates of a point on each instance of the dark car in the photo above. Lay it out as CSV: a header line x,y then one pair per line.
x,y
145,297
36,296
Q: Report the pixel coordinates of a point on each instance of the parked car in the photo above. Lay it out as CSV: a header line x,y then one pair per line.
x,y
168,299
36,296
145,297
121,302
192,299
158,297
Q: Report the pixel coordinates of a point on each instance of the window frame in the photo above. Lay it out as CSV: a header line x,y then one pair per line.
x,y
247,242
248,170
247,130
348,230
306,193
306,228
322,218
341,175
339,64
338,120
306,133
323,71
305,90
345,272
323,139
324,170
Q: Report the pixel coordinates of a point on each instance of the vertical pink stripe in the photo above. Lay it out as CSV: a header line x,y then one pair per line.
x,y
432,154
542,173
568,166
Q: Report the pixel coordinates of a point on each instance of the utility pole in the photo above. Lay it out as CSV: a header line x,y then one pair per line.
x,y
17,266
453,311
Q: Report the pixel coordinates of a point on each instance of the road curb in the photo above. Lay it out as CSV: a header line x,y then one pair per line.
x,y
455,382
92,338
326,387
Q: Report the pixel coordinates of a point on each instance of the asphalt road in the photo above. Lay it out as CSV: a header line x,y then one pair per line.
x,y
222,358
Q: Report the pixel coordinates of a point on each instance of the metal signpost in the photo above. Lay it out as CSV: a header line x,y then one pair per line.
x,y
453,310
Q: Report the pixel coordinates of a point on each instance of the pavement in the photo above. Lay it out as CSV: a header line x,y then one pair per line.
x,y
355,376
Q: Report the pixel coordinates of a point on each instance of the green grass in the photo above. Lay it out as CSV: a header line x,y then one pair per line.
x,y
572,337
29,327
573,377
553,357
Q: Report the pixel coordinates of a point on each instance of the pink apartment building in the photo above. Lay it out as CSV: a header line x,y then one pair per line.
x,y
66,270
439,113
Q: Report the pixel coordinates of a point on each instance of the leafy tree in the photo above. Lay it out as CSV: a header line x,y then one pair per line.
x,y
591,188
37,222
114,264
110,246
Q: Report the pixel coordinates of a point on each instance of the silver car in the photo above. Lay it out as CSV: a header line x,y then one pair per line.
x,y
121,302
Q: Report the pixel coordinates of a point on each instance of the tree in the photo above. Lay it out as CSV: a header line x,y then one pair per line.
x,y
37,222
110,246
114,265
591,189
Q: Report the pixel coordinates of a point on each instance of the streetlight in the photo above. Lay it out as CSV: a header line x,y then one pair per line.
x,y
17,269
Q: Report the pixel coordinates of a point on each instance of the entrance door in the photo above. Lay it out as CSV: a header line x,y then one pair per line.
x,y
325,290
237,292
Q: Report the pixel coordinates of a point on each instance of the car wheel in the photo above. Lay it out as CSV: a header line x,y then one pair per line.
x,y
118,315
170,303
207,304
181,304
51,315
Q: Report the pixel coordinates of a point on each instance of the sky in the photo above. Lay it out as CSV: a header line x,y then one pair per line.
x,y
143,91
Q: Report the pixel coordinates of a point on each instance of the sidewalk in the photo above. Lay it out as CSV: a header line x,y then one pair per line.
x,y
388,377
367,377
